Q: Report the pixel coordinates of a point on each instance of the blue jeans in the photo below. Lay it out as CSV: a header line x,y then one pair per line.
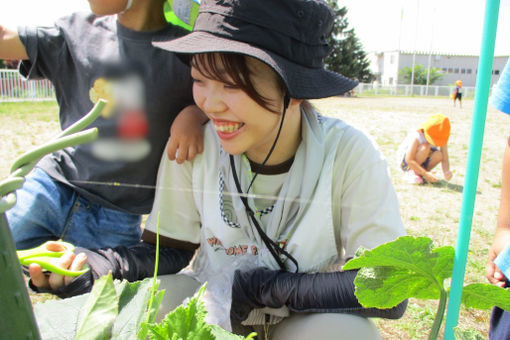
x,y
49,210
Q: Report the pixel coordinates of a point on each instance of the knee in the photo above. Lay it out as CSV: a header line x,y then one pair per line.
x,y
325,326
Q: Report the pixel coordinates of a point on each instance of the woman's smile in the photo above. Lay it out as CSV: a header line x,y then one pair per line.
x,y
227,129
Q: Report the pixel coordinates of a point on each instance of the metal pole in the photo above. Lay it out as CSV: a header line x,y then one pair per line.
x,y
473,164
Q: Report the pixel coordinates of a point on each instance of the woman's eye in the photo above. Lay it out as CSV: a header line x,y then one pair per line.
x,y
231,87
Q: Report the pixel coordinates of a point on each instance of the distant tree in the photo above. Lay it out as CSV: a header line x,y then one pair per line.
x,y
420,75
347,56
9,64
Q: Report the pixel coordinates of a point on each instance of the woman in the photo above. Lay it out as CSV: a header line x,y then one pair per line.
x,y
280,197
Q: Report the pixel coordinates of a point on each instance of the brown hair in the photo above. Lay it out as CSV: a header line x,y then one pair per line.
x,y
232,69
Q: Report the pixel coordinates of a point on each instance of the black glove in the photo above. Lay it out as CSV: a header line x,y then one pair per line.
x,y
130,263
301,292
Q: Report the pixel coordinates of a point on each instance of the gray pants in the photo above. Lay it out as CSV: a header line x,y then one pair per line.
x,y
299,326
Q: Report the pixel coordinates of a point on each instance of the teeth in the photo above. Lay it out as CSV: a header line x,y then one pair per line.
x,y
229,128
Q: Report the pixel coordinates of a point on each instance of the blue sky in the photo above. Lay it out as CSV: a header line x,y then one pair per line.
x,y
450,26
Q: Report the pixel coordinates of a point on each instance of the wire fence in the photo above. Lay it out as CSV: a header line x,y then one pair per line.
x,y
415,90
13,87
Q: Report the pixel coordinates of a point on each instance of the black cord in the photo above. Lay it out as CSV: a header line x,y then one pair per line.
x,y
286,102
274,247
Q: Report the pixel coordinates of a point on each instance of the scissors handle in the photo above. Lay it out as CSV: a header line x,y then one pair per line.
x,y
48,259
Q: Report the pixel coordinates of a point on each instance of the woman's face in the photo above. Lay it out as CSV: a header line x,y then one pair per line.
x,y
242,125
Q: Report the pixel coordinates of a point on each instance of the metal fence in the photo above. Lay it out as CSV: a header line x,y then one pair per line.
x,y
14,88
408,90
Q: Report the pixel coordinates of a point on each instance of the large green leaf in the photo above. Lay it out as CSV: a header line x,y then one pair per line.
x,y
186,322
485,296
58,319
406,267
99,312
133,298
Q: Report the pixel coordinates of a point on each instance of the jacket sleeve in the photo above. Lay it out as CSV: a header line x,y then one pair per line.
x,y
301,292
130,263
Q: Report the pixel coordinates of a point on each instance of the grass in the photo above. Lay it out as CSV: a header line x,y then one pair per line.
x,y
427,210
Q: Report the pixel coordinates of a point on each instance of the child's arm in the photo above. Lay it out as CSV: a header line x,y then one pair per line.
x,y
11,46
186,134
502,236
445,163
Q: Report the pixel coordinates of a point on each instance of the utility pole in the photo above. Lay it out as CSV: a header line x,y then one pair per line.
x,y
415,39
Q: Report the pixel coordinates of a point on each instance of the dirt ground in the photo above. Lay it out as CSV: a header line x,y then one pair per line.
x,y
434,210
427,210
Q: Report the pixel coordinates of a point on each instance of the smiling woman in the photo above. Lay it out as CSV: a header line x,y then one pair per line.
x,y
281,196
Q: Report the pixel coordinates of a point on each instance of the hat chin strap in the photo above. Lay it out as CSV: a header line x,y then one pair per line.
x,y
273,247
286,101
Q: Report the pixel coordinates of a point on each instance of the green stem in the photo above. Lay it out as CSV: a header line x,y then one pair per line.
x,y
434,332
153,292
86,120
58,144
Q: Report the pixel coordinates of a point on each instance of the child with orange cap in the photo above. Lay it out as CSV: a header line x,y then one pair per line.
x,y
425,148
457,94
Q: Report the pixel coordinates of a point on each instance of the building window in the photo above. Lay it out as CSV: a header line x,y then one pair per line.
x,y
463,70
496,72
450,70
391,80
469,71
444,69
456,70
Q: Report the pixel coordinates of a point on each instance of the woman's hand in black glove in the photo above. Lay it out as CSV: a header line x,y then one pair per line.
x,y
254,289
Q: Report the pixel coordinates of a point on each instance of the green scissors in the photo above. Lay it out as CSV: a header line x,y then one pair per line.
x,y
48,259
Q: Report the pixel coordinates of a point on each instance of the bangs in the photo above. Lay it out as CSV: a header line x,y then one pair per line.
x,y
232,69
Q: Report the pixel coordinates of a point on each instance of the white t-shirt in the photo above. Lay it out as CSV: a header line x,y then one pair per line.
x,y
350,202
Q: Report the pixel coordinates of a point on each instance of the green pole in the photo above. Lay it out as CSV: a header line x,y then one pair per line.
x,y
473,164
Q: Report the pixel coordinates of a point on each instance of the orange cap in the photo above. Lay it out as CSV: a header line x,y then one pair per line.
x,y
459,82
437,130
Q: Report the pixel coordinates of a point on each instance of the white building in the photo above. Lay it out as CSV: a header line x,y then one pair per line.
x,y
386,66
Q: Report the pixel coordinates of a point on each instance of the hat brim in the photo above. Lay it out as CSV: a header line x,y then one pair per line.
x,y
302,82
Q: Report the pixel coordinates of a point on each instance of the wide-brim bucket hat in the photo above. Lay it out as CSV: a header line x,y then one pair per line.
x,y
288,35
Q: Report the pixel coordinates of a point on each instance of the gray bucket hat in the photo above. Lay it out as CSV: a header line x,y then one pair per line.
x,y
288,35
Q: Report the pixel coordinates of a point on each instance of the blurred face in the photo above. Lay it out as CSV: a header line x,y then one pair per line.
x,y
243,125
107,7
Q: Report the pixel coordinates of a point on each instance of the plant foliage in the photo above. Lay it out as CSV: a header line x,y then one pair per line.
x,y
411,267
118,310
420,75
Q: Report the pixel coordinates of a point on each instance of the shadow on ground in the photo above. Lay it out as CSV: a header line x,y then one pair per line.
x,y
442,184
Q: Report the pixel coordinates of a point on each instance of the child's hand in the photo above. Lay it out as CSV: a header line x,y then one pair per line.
x,y
493,274
447,175
54,281
429,177
186,135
